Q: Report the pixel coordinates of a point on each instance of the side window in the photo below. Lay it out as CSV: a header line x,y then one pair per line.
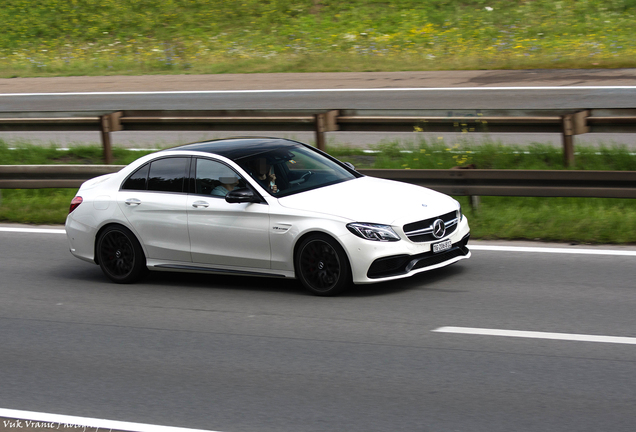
x,y
139,179
168,175
216,179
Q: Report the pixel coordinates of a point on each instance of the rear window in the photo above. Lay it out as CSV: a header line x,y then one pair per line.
x,y
139,179
162,175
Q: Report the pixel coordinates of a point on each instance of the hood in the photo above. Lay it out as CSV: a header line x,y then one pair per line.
x,y
373,200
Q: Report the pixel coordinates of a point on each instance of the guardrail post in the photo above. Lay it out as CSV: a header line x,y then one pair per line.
x,y
325,122
109,123
573,124
475,201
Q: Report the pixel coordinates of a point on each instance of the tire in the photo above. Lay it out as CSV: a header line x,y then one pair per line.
x,y
322,265
120,255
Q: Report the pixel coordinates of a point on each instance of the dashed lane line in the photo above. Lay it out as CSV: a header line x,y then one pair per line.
x,y
537,335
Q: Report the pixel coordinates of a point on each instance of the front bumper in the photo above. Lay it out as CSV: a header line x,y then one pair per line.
x,y
373,262
402,265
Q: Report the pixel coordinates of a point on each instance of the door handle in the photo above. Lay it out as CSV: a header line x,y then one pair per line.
x,y
198,204
132,202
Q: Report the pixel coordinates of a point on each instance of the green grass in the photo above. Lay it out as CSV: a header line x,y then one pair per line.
x,y
24,153
87,37
581,220
395,154
35,206
494,155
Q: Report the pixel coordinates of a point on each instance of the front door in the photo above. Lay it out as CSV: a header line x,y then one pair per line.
x,y
222,233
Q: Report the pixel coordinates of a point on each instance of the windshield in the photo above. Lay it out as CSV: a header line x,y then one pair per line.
x,y
290,170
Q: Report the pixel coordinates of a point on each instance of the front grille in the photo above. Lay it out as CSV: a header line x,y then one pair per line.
x,y
439,258
422,231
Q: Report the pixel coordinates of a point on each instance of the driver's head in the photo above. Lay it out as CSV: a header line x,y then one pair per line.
x,y
260,166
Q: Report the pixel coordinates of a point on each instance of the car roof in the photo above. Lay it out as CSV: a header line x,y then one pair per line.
x,y
238,148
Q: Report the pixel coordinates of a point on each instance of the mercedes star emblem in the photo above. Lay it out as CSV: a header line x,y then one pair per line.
x,y
439,228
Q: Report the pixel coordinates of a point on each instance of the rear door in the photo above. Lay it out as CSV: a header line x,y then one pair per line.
x,y
154,200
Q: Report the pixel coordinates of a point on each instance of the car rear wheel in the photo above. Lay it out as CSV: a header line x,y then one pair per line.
x,y
322,265
120,255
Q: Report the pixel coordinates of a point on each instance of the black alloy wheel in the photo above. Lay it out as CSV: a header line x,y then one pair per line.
x,y
120,255
322,265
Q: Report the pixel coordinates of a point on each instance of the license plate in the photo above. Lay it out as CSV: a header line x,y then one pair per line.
x,y
442,246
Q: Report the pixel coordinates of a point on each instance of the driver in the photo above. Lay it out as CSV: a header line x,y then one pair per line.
x,y
264,174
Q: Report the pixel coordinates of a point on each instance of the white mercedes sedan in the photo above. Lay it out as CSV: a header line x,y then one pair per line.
x,y
262,207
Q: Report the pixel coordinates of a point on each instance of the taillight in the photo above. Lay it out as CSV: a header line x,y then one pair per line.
x,y
75,203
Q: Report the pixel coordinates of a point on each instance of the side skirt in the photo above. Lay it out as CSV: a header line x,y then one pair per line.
x,y
197,269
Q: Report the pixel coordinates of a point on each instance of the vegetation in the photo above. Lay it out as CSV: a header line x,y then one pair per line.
x,y
549,219
421,154
496,155
87,37
574,220
23,153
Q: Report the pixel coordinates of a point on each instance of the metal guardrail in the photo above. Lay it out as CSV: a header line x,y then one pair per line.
x,y
459,182
530,183
566,122
50,176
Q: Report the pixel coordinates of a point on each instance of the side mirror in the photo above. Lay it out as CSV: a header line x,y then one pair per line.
x,y
242,195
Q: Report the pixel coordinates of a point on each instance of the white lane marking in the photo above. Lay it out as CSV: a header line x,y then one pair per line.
x,y
613,252
33,230
336,90
75,423
552,250
538,335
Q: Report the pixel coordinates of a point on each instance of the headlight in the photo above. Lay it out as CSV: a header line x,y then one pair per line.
x,y
460,215
373,232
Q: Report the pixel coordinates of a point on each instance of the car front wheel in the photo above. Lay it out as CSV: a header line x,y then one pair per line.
x,y
120,255
322,265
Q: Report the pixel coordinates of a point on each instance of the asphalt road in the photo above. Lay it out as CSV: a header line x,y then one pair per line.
x,y
454,98
254,355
